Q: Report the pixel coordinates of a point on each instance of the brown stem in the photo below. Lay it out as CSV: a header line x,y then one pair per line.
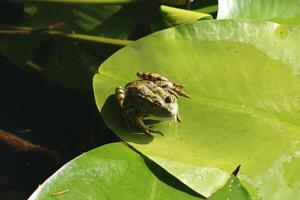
x,y
20,30
15,32
49,27
16,144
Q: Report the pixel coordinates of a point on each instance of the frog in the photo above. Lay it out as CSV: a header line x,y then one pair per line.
x,y
152,97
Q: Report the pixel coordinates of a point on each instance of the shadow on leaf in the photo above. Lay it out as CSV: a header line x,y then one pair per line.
x,y
114,120
168,178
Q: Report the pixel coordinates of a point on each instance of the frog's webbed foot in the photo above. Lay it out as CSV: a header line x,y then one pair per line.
x,y
139,123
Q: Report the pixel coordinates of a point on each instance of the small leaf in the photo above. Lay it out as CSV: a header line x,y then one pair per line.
x,y
175,16
233,190
171,16
112,171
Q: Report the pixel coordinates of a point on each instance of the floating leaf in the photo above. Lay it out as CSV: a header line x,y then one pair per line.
x,y
175,16
112,171
245,88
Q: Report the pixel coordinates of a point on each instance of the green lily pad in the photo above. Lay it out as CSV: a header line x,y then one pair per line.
x,y
175,16
245,89
170,16
286,12
112,171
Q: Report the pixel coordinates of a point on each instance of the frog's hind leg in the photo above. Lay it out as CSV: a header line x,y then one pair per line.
x,y
176,91
172,88
139,123
164,83
119,92
173,93
179,91
150,76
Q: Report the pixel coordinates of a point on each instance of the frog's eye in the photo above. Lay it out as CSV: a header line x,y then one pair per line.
x,y
170,99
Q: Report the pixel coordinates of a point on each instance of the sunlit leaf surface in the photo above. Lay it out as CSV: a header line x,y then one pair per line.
x,y
114,172
245,88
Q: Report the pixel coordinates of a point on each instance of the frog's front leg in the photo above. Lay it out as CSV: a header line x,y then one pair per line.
x,y
139,123
129,122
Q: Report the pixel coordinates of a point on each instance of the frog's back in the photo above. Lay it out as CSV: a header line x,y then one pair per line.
x,y
145,88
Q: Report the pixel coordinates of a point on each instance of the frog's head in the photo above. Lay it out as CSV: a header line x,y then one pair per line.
x,y
165,108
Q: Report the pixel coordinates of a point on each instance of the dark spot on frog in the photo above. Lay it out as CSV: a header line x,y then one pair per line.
x,y
168,99
158,103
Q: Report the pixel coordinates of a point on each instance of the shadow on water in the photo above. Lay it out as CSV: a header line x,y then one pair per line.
x,y
112,116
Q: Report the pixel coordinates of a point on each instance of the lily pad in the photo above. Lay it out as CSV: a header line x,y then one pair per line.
x,y
112,171
170,16
175,16
286,12
245,86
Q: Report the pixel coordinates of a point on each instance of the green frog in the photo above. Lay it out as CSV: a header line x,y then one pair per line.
x,y
152,97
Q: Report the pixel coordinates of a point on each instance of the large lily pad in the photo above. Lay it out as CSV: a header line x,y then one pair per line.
x,y
112,171
286,12
245,88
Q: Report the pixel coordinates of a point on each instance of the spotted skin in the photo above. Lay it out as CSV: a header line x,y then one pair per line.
x,y
175,88
152,97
